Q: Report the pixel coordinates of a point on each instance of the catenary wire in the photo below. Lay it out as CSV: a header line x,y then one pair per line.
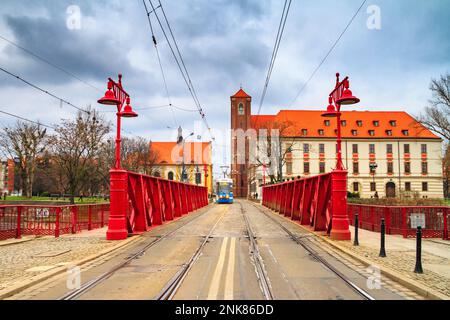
x,y
28,120
43,90
155,44
328,53
179,61
48,62
281,26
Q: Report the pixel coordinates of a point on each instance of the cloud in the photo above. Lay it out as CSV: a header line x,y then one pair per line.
x,y
225,43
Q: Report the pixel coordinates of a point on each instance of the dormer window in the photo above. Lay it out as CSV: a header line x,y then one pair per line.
x,y
321,132
359,123
405,132
376,123
327,123
354,132
343,123
241,109
304,132
389,132
371,133
393,123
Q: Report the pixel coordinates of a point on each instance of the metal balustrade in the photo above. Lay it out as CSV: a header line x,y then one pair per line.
x,y
306,200
397,219
140,202
39,220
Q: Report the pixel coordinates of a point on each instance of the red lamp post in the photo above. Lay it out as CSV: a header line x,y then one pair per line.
x,y
117,96
117,225
341,95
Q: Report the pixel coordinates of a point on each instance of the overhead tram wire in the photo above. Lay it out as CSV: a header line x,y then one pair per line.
x,y
28,120
44,91
328,53
183,70
49,63
281,26
179,53
160,64
179,58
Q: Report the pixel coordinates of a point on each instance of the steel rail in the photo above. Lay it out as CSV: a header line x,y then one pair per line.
x,y
171,288
259,264
96,281
316,256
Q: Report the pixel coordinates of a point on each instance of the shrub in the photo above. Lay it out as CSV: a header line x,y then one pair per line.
x,y
399,202
353,195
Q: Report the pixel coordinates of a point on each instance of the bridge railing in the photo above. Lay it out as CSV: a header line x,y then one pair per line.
x,y
307,200
19,220
140,202
397,219
318,201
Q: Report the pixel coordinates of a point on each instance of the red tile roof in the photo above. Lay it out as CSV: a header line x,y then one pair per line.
x,y
195,152
311,120
240,94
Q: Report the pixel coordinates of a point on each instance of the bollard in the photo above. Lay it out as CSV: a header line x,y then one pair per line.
x,y
418,268
383,231
356,241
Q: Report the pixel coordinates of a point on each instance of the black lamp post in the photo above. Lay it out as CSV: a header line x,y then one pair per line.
x,y
373,167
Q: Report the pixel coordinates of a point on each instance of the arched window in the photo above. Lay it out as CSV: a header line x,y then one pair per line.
x,y
241,109
170,175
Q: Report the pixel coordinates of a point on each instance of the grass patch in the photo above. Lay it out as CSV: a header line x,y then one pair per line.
x,y
62,200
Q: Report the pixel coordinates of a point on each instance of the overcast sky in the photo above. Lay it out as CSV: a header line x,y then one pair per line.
x,y
225,43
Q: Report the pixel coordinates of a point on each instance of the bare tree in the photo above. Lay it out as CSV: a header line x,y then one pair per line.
x,y
272,153
24,143
437,119
446,171
76,149
138,155
437,114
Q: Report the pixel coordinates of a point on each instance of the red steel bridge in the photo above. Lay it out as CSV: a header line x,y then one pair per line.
x,y
185,247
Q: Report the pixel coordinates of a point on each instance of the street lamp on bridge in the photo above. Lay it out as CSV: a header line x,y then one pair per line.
x,y
117,224
117,96
341,95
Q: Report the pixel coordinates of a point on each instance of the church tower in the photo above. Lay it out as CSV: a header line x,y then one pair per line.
x,y
240,119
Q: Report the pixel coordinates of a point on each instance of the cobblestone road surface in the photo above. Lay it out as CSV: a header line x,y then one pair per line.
x,y
16,259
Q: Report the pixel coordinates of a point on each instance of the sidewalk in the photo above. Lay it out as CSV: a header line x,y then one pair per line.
x,y
401,257
24,261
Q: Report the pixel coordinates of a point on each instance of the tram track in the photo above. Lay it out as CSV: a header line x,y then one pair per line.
x,y
301,241
72,295
171,288
259,264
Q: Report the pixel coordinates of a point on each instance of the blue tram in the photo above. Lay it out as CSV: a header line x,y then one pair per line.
x,y
224,190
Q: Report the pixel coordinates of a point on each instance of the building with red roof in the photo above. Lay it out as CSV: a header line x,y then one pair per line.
x,y
197,158
408,156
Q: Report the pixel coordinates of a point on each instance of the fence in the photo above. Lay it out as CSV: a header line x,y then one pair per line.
x,y
18,220
306,200
398,221
159,200
139,202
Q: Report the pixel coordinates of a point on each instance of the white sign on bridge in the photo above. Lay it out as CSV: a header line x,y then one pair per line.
x,y
417,220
